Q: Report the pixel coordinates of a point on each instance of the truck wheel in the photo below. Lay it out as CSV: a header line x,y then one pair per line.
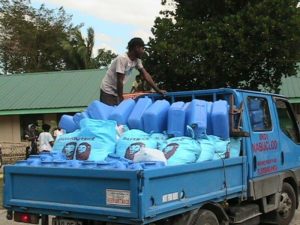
x,y
287,205
206,217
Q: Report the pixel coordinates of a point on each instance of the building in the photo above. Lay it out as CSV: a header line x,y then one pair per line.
x,y
291,88
44,98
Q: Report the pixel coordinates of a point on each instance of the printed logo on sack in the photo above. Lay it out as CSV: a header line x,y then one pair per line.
x,y
170,150
133,149
69,150
83,151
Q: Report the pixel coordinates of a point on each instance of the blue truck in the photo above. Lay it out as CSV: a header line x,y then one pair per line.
x,y
259,186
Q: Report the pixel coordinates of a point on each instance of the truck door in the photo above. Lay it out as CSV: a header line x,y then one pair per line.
x,y
263,145
288,134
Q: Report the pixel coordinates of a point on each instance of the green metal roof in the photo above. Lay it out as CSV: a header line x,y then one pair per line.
x,y
51,92
73,91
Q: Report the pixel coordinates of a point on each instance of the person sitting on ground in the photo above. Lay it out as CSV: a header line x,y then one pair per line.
x,y
45,139
111,91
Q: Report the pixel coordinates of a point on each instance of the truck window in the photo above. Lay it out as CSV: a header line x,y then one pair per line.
x,y
287,120
259,113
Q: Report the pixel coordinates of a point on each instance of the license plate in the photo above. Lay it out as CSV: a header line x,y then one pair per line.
x,y
65,222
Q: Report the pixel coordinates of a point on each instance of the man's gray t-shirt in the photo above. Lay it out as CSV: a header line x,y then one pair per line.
x,y
121,64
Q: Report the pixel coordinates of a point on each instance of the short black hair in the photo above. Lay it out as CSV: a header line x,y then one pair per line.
x,y
46,127
135,42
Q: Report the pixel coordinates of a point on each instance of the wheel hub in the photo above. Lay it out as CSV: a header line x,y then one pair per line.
x,y
285,205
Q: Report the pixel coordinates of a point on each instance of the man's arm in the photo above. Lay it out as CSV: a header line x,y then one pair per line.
x,y
120,79
30,137
150,81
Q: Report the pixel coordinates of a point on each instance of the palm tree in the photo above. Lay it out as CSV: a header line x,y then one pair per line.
x,y
79,51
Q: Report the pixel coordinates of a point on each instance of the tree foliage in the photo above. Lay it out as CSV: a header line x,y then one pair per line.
x,y
30,38
213,43
104,57
79,51
34,40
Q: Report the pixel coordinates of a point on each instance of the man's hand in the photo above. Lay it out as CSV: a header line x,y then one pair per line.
x,y
162,92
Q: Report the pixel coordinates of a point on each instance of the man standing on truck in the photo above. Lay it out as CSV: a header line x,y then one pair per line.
x,y
111,90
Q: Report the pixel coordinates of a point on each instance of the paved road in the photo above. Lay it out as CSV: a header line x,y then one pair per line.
x,y
3,221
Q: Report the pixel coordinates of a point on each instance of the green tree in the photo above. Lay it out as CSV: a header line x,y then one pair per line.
x,y
34,40
30,39
79,51
213,43
103,58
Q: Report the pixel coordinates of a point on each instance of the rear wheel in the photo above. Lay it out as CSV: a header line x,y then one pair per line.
x,y
195,217
206,217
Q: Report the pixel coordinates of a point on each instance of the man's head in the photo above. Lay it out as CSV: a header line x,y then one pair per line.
x,y
46,127
31,127
136,46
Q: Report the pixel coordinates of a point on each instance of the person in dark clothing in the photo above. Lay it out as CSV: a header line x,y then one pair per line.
x,y
32,135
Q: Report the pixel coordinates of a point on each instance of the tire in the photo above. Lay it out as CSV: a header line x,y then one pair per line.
x,y
287,205
206,217
195,217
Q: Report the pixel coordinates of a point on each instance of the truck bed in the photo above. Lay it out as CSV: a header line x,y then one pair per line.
x,y
122,196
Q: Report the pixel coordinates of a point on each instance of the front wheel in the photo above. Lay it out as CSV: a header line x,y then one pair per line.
x,y
287,205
